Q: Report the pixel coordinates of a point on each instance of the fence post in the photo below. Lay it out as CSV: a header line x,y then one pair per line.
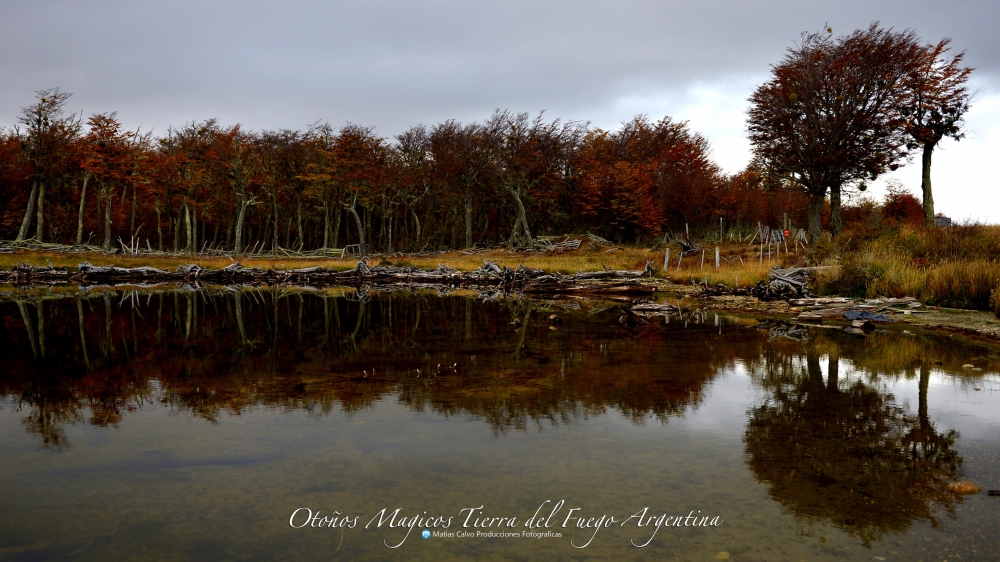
x,y
716,257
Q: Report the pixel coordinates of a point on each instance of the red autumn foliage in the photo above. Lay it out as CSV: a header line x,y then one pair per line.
x,y
204,185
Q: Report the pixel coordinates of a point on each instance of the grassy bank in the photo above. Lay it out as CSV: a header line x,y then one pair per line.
x,y
955,267
740,264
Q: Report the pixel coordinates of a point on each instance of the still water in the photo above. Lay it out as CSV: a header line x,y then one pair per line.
x,y
180,424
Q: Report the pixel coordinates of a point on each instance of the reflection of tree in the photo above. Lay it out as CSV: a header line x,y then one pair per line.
x,y
216,351
846,453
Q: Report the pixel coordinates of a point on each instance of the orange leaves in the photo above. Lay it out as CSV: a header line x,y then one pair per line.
x,y
645,177
936,98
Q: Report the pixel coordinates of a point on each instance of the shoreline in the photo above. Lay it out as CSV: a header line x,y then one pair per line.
x,y
488,279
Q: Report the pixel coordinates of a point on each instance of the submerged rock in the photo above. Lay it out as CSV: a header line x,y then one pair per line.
x,y
964,488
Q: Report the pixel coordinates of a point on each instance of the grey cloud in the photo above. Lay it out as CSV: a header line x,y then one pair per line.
x,y
393,64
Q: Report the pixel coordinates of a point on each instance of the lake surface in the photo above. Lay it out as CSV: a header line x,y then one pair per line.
x,y
179,424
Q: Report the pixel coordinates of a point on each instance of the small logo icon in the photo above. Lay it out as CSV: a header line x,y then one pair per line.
x,y
426,534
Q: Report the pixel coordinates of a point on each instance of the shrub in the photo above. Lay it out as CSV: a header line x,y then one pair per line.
x,y
853,280
964,284
901,206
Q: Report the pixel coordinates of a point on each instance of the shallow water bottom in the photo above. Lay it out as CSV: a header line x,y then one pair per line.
x,y
165,486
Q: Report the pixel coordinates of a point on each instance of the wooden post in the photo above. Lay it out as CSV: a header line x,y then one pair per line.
x,y
680,257
703,260
666,259
686,231
716,257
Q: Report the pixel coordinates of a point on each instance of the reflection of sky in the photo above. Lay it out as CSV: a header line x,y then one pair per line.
x,y
951,402
265,463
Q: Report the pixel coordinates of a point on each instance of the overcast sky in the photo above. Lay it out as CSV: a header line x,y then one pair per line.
x,y
392,64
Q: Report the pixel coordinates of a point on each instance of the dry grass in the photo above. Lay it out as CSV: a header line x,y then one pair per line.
x,y
955,267
747,272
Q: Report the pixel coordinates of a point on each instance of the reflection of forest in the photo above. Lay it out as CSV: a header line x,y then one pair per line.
x,y
95,356
840,449
831,445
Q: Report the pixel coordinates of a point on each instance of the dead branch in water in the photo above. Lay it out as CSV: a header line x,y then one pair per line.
x,y
502,278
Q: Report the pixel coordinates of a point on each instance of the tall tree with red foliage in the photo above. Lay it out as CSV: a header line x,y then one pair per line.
x,y
827,117
934,106
45,140
108,161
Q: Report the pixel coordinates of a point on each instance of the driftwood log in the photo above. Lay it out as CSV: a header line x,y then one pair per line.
x,y
490,275
782,284
838,307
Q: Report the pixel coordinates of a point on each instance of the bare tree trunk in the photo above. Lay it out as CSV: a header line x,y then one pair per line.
x,y
368,224
79,218
107,221
416,224
187,228
816,199
100,208
361,229
41,213
159,226
925,184
388,220
274,206
131,227
326,218
194,228
836,220
468,217
238,243
176,223
29,213
336,229
298,218
514,232
522,217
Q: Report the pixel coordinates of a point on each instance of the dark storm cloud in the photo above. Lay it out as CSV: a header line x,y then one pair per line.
x,y
395,64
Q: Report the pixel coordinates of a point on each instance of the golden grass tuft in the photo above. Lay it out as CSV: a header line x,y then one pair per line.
x,y
955,267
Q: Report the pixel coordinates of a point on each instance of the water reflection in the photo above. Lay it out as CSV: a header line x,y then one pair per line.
x,y
513,364
824,435
844,451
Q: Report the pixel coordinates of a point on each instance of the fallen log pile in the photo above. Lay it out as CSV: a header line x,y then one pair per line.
x,y
874,310
502,278
781,284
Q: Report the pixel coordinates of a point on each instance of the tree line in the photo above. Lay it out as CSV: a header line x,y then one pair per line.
x,y
837,112
503,180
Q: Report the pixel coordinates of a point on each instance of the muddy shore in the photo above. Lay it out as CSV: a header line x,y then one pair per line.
x,y
971,324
